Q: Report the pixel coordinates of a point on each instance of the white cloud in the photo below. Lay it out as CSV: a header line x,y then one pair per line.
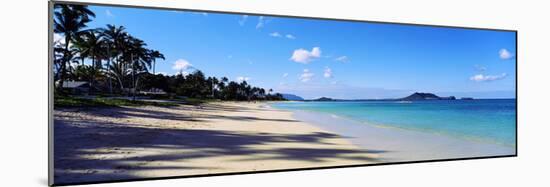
x,y
285,75
241,79
505,54
181,65
242,21
306,76
304,56
279,35
275,34
229,56
342,59
163,73
109,13
260,22
484,78
328,73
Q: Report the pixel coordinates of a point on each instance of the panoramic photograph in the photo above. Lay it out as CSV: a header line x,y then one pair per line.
x,y
143,93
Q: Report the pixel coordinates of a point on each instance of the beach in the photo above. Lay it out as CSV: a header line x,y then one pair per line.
x,y
120,143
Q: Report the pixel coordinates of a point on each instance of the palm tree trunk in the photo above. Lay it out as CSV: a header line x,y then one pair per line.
x,y
121,85
61,75
137,83
64,64
110,82
93,76
121,78
108,66
133,77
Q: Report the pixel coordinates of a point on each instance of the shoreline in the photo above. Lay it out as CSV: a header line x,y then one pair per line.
x,y
401,144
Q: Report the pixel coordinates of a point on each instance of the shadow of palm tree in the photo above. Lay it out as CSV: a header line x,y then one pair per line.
x,y
247,118
77,139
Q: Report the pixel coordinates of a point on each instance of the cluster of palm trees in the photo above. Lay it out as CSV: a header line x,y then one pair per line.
x,y
125,55
119,63
197,85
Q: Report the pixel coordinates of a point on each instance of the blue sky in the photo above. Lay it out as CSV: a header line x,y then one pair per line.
x,y
314,58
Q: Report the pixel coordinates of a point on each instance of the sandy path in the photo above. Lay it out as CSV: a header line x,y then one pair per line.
x,y
134,142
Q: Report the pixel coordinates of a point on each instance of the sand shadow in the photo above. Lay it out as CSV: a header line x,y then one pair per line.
x,y
131,112
77,139
246,118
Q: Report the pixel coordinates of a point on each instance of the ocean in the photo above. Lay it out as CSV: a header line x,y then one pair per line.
x,y
482,120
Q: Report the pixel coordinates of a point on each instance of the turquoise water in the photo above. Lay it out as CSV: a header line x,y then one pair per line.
x,y
486,120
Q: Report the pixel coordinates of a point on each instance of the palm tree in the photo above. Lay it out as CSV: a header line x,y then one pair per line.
x,y
70,20
255,91
214,85
114,38
248,92
117,71
222,86
232,90
137,57
222,83
154,55
62,59
90,45
243,90
82,48
262,93
86,73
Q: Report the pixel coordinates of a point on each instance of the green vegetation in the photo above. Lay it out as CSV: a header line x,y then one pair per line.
x,y
119,65
196,85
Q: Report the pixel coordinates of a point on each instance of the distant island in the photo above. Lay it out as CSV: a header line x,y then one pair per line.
x,y
425,96
292,97
417,96
324,99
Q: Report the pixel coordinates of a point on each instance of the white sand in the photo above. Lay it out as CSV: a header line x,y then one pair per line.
x,y
101,144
